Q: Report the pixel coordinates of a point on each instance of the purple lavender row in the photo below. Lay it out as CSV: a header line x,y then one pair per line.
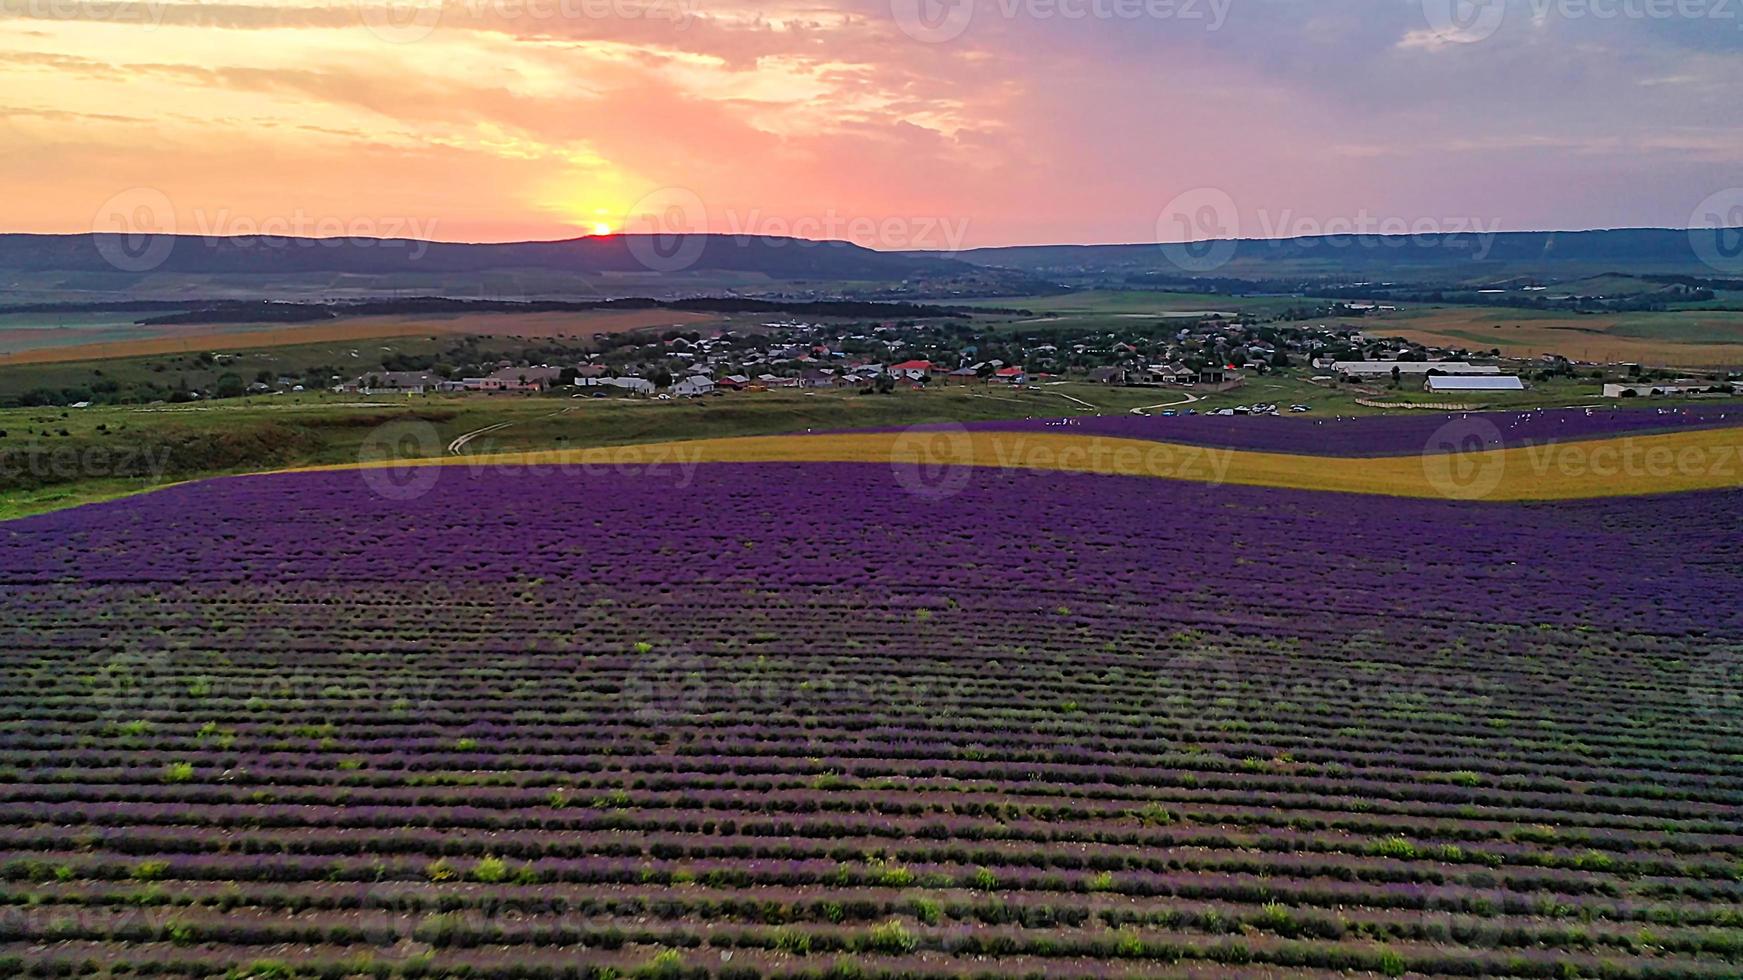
x,y
1009,544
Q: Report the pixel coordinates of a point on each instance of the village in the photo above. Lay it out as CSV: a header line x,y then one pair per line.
x,y
1213,354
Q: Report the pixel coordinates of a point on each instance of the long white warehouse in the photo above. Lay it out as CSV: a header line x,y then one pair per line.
x,y
1376,368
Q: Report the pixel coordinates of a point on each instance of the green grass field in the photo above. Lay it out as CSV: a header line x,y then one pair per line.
x,y
34,331
58,457
343,359
55,457
1140,303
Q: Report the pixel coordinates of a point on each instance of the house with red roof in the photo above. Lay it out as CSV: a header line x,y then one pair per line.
x,y
911,370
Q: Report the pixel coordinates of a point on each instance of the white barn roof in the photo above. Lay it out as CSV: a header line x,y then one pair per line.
x,y
1503,383
1413,367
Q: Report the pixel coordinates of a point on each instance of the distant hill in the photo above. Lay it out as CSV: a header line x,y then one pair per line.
x,y
97,268
86,267
775,257
1459,257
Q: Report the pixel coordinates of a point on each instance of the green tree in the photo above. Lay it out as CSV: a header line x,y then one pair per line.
x,y
229,385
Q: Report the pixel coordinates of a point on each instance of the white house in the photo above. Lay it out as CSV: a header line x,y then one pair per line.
x,y
635,386
1438,382
693,386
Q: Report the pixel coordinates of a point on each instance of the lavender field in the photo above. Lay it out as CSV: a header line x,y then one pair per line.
x,y
1389,435
791,720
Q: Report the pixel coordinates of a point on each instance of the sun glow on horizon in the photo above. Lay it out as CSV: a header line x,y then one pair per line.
x,y
601,227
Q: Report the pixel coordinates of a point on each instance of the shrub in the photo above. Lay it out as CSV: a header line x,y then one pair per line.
x,y
490,870
1155,815
1394,847
1128,944
892,937
149,870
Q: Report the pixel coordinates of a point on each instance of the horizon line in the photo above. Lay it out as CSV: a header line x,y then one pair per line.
x,y
1477,233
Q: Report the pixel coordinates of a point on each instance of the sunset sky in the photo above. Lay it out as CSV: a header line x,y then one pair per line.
x,y
1003,122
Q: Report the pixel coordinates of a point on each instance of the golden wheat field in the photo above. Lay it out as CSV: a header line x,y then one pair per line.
x,y
1691,338
1620,466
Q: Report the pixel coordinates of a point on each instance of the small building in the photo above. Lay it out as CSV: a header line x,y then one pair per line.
x,y
693,386
1011,375
409,382
733,382
524,378
1213,376
1105,375
1467,384
911,370
631,386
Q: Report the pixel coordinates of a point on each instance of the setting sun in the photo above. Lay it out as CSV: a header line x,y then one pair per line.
x,y
601,228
